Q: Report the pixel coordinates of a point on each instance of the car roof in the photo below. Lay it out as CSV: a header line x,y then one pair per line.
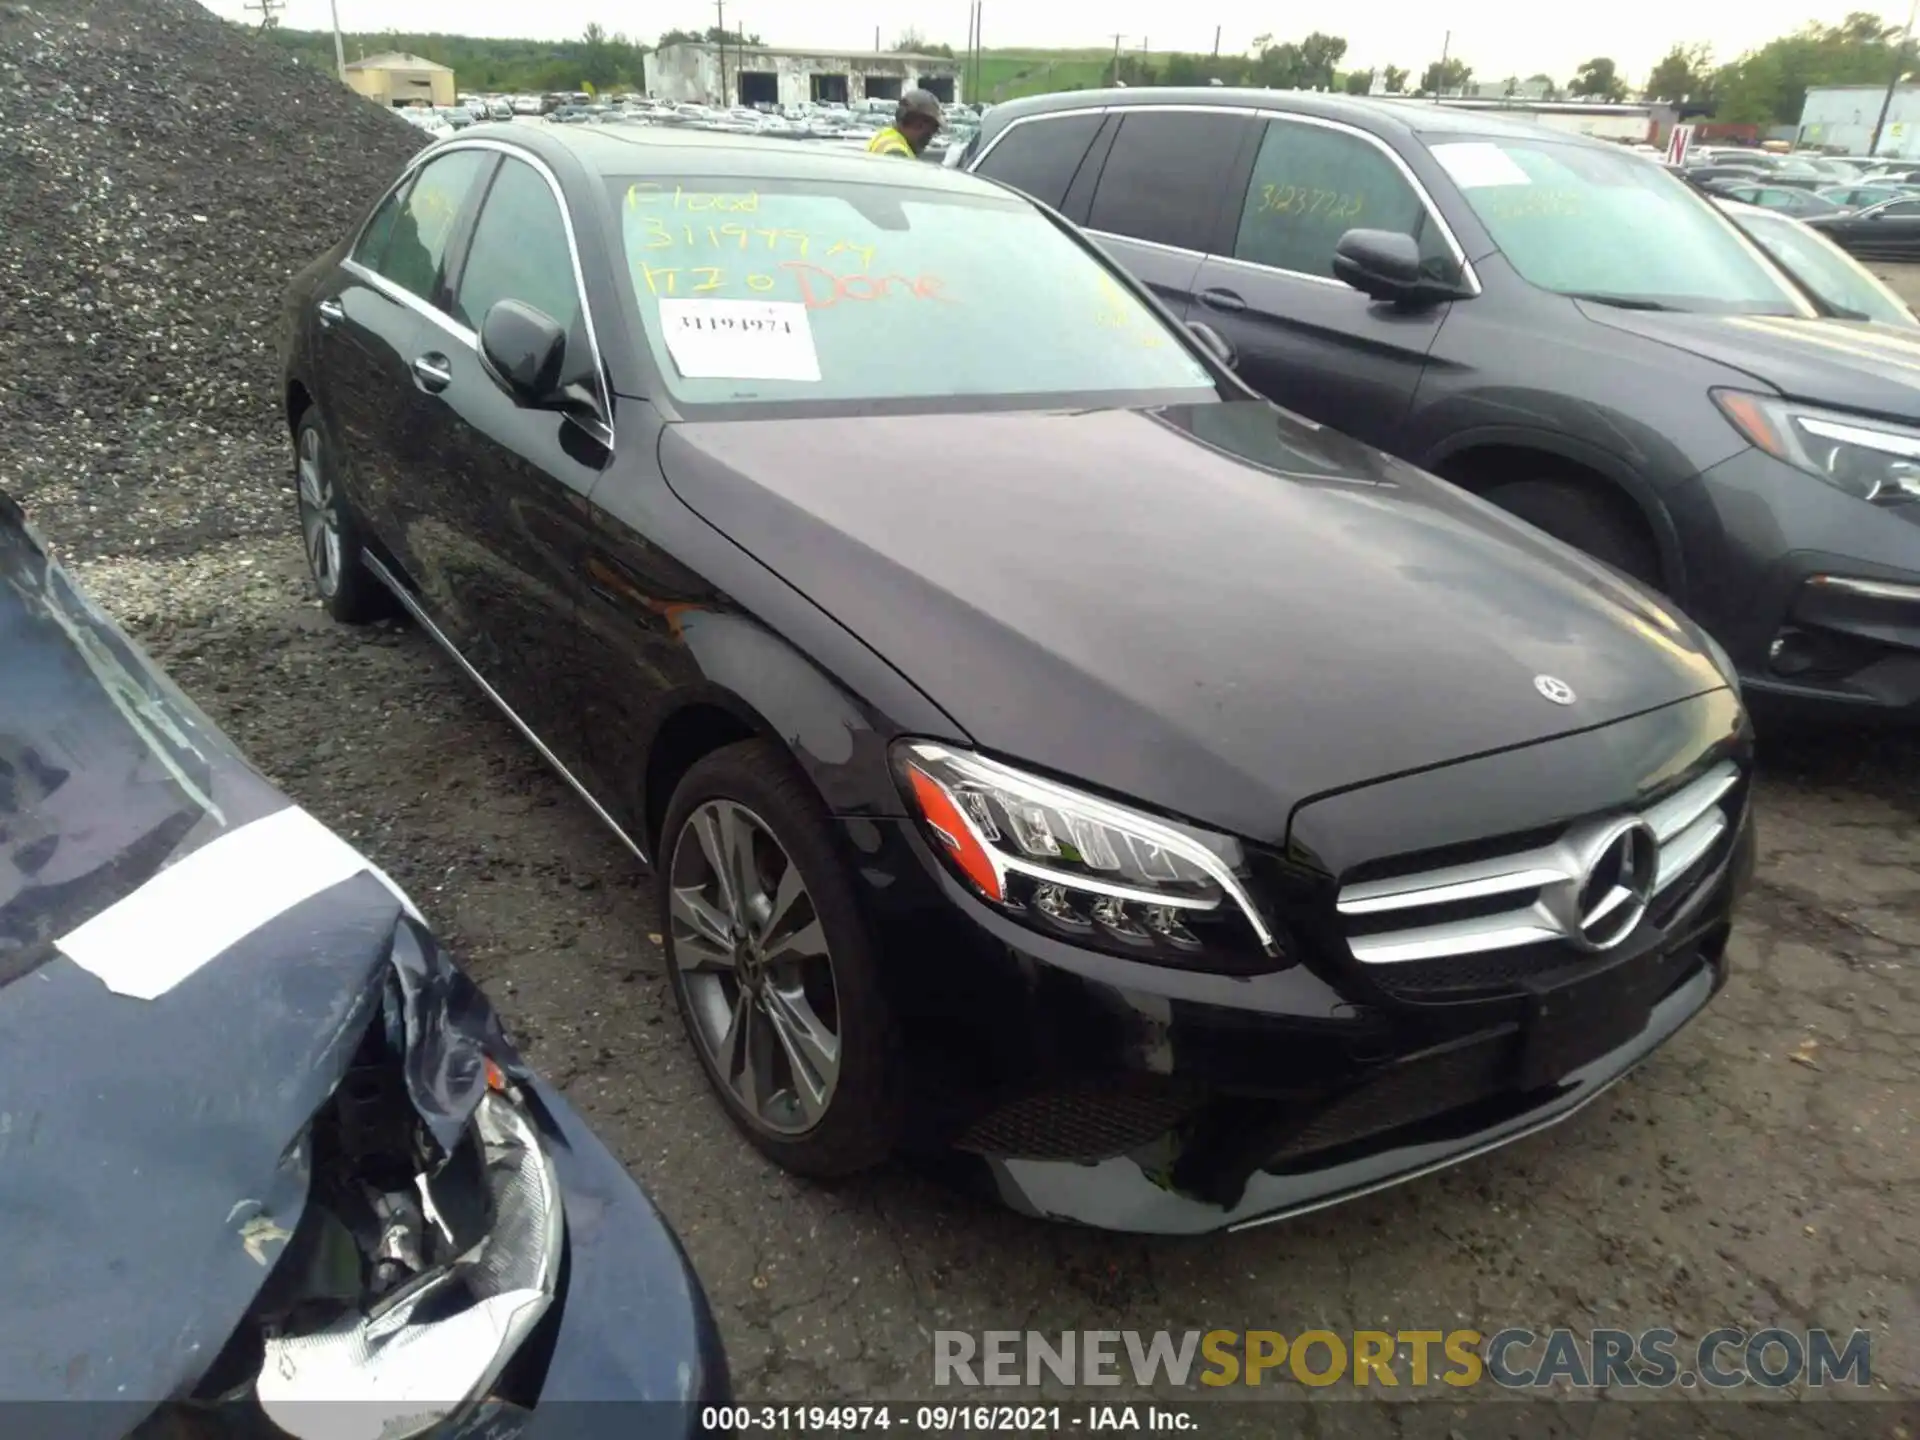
x,y
613,150
1381,117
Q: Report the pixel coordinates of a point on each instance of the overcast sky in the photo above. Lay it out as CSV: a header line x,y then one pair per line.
x,y
1496,37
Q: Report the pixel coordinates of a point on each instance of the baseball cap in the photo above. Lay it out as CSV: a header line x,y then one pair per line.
x,y
920,102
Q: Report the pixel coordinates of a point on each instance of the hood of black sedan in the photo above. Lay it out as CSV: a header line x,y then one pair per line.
x,y
187,966
1848,364
1219,610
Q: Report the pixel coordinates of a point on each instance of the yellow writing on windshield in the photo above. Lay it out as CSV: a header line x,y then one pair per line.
x,y
648,192
1309,200
1525,202
1120,311
817,287
659,232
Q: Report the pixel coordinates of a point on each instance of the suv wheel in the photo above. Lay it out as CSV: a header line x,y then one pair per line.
x,y
772,966
328,533
1586,518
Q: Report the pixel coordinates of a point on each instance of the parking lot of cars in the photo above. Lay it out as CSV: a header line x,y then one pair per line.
x,y
1757,1169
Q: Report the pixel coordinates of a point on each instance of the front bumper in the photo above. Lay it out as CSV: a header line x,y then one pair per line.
x,y
1816,595
1084,1087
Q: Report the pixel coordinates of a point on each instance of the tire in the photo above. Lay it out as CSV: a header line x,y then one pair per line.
x,y
330,534
729,967
1586,518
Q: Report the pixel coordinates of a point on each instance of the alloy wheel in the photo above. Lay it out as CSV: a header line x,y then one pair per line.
x,y
758,973
319,515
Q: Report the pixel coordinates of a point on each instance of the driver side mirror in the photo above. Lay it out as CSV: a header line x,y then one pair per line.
x,y
525,351
1385,265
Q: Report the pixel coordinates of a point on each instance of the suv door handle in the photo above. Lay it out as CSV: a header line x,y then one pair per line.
x,y
1222,300
433,373
331,311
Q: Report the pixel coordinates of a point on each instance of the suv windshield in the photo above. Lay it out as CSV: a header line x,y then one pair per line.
x,y
797,291
1599,225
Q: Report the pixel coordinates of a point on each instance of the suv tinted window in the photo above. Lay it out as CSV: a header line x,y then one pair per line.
x,y
1164,175
1311,185
1903,208
426,220
1041,156
518,252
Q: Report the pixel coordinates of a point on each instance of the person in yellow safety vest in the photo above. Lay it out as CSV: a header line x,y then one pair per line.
x,y
916,120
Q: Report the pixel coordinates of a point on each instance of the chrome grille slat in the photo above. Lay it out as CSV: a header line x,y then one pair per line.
x,y
1685,825
1685,849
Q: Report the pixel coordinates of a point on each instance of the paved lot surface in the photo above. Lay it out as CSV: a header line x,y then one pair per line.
x,y
1762,1170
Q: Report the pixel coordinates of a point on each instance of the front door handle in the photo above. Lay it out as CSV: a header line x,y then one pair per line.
x,y
331,311
433,373
1222,300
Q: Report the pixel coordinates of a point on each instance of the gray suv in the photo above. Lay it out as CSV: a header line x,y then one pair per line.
x,y
1553,323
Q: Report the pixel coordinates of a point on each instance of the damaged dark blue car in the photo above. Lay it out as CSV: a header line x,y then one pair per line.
x,y
267,1160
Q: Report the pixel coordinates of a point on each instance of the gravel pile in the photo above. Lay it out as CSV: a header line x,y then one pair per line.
x,y
162,175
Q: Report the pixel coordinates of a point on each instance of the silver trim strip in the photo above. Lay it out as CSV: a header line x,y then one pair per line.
x,y
1868,589
454,327
386,578
1687,848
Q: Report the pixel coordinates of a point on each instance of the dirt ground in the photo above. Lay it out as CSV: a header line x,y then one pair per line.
x,y
1904,280
1761,1170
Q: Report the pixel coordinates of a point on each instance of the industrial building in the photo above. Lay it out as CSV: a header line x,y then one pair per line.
x,y
1840,118
394,78
760,75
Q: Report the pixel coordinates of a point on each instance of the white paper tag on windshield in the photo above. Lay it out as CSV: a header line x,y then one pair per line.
x,y
740,339
1474,164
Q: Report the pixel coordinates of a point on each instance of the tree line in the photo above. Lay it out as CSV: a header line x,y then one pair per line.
x,y
1764,86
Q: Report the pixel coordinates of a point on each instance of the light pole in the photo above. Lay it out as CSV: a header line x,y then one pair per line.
x,y
1893,80
339,45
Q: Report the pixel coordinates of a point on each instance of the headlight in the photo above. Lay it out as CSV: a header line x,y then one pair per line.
x,y
1083,868
1869,459
441,1336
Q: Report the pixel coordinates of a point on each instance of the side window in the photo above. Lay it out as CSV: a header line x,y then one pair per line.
x,y
1311,185
518,252
1163,177
372,244
1041,156
426,219
1904,209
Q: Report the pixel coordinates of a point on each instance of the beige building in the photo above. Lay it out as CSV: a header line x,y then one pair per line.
x,y
397,79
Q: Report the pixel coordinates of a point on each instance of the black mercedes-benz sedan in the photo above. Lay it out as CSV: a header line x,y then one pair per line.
x,y
1052,756
268,1165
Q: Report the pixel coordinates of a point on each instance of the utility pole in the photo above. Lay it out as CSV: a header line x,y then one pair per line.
x,y
268,11
979,60
1893,80
1440,80
339,45
721,29
1216,42
1116,57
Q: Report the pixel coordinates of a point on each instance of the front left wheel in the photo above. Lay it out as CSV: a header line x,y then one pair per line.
x,y
772,965
329,534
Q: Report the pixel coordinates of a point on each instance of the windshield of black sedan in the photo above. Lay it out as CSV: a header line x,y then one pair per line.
x,y
1581,220
796,291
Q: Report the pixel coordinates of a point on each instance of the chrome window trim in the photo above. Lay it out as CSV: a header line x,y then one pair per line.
x,y
1159,245
454,327
415,609
1420,191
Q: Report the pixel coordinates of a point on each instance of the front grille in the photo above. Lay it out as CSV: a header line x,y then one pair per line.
x,y
1080,1123
1497,919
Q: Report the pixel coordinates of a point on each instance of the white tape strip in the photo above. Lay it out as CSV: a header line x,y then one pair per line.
x,y
150,941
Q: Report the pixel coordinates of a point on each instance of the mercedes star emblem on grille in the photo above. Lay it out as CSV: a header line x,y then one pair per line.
x,y
1616,886
1554,688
